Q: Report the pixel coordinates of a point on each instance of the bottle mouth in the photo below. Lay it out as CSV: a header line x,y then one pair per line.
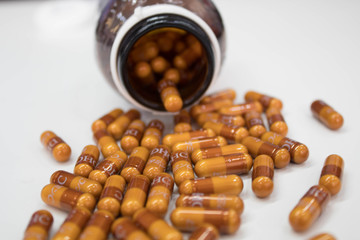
x,y
196,78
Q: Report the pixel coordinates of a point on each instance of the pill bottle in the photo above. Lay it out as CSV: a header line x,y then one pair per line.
x,y
172,26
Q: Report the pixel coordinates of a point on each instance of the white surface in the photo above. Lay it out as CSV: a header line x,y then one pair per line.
x,y
297,51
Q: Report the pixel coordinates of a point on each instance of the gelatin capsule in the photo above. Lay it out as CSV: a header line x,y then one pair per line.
x,y
206,153
262,176
160,194
87,161
60,150
219,95
125,229
298,151
136,163
170,95
155,226
327,115
106,142
276,121
165,43
77,183
105,120
206,231
254,123
135,196
159,64
256,147
331,173
157,162
231,164
118,127
323,236
108,167
65,198
266,101
182,122
189,218
191,145
187,57
144,52
181,167
309,208
112,195
173,75
98,226
39,225
228,184
240,109
73,224
171,139
132,136
145,74
235,134
152,135
196,110
231,120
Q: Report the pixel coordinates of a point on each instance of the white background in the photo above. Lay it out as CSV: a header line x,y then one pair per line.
x,y
298,51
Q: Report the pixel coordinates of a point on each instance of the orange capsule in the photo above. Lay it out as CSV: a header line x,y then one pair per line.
x,y
159,64
234,121
240,109
170,95
196,110
219,95
124,228
228,184
327,115
132,136
66,199
187,57
165,43
108,167
136,163
172,139
254,123
77,183
266,101
181,166
235,134
231,164
152,135
331,173
105,120
309,208
190,218
98,226
112,195
323,236
298,151
262,176
39,225
144,73
173,75
179,46
276,121
191,145
60,150
206,153
256,147
157,162
106,142
87,161
118,127
182,122
205,231
73,224
144,52
135,196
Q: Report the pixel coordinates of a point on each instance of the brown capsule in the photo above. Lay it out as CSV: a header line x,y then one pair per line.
x,y
106,142
240,109
219,95
98,226
173,75
39,225
159,64
206,231
136,163
144,73
181,166
254,123
170,95
172,139
87,161
196,110
323,236
157,162
132,136
60,150
152,135
144,52
182,122
331,173
327,115
179,46
276,121
191,145
206,153
105,120
266,101
187,57
165,43
236,134
118,127
234,121
262,176
124,228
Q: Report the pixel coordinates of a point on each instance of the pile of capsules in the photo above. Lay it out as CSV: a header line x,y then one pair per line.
x,y
131,189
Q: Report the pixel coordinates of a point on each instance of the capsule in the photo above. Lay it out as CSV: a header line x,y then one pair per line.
x,y
228,184
256,147
170,95
144,52
108,167
327,115
266,101
112,195
309,208
323,236
190,218
171,139
60,150
118,127
196,110
105,120
231,164
77,183
106,142
206,231
144,73
173,75
254,123
228,132
125,229
159,65
158,160
136,163
191,145
181,166
298,151
87,161
234,121
155,226
187,57
211,201
39,225
240,109
262,176
276,121
132,136
182,122
331,173
152,135
66,199
206,153
135,195
73,224
160,194
219,95
98,226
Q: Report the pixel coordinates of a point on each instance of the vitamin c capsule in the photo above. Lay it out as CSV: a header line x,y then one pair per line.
x,y
182,122
87,161
240,109
98,226
266,101
172,139
170,95
331,173
234,121
144,72
220,95
206,153
60,150
173,75
158,160
152,134
132,136
125,229
39,225
191,145
105,120
327,115
262,176
254,123
209,107
145,52
276,121
159,65
228,132
205,231
323,236
186,58
106,143
136,163
118,127
181,167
